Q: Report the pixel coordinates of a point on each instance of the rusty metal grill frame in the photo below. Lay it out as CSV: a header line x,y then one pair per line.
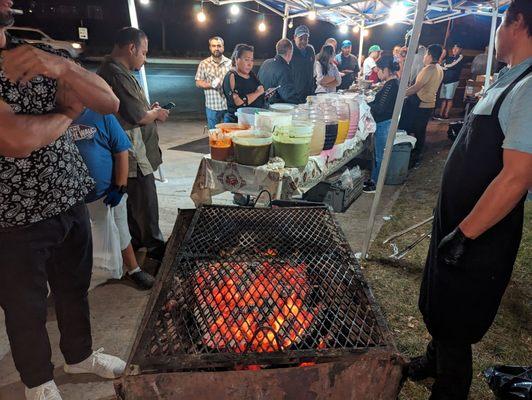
x,y
234,234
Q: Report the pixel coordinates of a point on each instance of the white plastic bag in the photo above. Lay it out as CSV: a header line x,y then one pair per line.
x,y
107,257
346,180
355,173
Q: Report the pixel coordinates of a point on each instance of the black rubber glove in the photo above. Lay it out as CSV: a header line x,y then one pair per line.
x,y
114,196
453,247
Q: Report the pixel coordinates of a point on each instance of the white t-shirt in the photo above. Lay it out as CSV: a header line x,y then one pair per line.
x,y
369,64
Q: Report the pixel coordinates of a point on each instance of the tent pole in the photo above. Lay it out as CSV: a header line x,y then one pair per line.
x,y
285,20
361,44
412,50
135,24
489,64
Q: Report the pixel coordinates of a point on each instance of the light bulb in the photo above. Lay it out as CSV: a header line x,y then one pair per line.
x,y
262,27
201,16
343,29
234,10
356,29
398,12
312,15
365,33
291,24
145,2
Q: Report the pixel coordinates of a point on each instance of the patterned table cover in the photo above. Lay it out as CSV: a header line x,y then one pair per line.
x,y
215,177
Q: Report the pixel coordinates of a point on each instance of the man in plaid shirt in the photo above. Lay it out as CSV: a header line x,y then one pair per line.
x,y
210,76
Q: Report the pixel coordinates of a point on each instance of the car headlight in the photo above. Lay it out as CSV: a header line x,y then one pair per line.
x,y
76,45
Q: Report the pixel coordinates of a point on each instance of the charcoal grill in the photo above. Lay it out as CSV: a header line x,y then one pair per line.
x,y
248,288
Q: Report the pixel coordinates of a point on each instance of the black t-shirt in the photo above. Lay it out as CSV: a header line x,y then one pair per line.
x,y
302,66
382,106
453,69
350,63
243,87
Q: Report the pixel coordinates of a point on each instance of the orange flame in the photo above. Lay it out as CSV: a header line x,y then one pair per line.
x,y
256,308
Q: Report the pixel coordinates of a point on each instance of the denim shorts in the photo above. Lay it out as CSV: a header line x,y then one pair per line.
x,y
447,90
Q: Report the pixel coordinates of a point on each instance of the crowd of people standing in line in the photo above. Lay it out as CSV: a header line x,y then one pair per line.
x,y
297,71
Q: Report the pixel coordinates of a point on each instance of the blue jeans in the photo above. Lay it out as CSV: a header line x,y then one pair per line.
x,y
214,117
381,135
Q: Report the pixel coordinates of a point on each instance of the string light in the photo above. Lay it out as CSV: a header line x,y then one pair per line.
x,y
291,24
201,16
398,12
365,32
356,29
312,15
234,10
262,25
343,29
145,2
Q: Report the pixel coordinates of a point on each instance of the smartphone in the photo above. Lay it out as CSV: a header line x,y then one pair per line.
x,y
169,106
271,91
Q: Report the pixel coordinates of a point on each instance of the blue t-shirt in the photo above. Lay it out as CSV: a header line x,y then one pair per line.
x,y
98,137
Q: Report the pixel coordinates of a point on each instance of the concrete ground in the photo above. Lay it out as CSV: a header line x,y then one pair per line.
x,y
117,308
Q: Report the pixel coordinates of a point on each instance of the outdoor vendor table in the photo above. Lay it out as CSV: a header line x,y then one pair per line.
x,y
215,177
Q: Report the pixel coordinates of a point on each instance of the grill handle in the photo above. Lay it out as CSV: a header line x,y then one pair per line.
x,y
260,194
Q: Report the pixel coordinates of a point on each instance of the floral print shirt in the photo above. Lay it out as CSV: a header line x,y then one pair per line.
x,y
50,180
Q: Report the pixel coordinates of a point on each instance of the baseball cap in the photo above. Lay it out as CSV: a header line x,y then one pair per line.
x,y
373,48
346,43
302,30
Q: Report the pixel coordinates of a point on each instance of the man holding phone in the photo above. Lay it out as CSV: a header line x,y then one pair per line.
x,y
139,120
276,75
210,76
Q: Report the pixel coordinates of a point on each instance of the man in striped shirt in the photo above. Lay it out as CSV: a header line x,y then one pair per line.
x,y
209,77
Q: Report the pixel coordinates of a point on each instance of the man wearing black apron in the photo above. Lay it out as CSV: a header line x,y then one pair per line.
x,y
479,217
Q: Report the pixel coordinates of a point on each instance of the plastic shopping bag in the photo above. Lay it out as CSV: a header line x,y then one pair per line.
x,y
107,257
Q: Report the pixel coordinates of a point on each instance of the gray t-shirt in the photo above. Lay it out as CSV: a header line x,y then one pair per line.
x,y
515,115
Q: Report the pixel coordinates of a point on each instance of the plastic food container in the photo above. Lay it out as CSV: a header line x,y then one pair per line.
x,y
252,147
231,127
354,115
331,125
267,120
292,144
246,115
342,110
221,145
282,107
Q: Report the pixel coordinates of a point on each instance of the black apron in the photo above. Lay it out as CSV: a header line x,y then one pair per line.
x,y
459,303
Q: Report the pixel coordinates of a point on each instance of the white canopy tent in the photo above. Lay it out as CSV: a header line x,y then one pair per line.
x,y
366,14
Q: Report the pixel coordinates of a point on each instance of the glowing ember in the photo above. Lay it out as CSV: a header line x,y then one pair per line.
x,y
258,307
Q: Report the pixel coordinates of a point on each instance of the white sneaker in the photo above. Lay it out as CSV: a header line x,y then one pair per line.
x,y
47,391
100,364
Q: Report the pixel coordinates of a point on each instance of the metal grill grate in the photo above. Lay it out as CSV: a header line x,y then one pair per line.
x,y
260,286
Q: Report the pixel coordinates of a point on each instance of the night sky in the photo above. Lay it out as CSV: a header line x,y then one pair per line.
x,y
186,37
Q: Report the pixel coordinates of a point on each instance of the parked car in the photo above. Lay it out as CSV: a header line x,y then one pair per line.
x,y
32,35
